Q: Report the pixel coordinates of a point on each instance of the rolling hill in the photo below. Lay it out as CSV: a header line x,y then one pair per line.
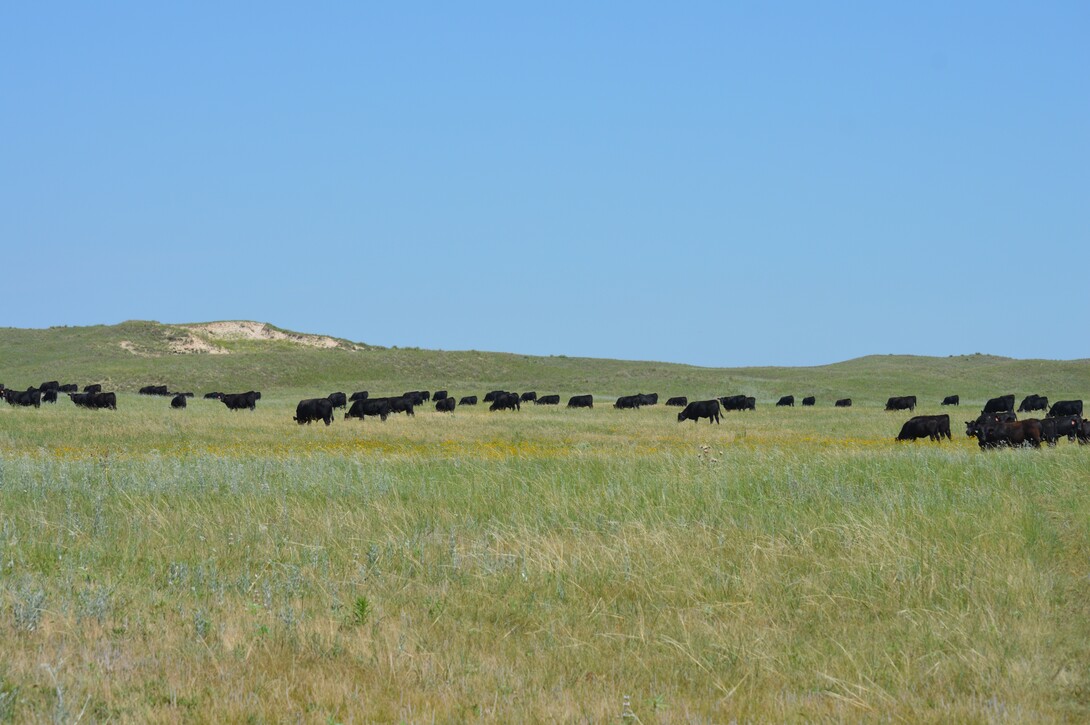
x,y
239,355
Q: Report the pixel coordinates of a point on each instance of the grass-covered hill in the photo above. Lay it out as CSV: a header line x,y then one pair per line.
x,y
243,355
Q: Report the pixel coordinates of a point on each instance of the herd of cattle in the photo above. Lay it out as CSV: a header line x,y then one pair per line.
x,y
997,425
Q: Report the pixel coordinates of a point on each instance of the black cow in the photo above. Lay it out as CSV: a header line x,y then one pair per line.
x,y
528,397
1053,428
358,395
548,400
934,427
505,401
68,388
627,401
94,400
1000,404
700,409
338,400
81,400
1065,407
649,398
1083,432
213,396
93,388
952,400
445,405
416,397
809,400
680,401
178,401
238,401
581,401
25,399
901,402
313,409
404,404
738,402
51,385
843,403
787,400
439,395
468,400
365,407
49,395
491,395
154,390
1033,402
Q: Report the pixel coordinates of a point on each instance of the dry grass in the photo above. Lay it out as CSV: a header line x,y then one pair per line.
x,y
546,565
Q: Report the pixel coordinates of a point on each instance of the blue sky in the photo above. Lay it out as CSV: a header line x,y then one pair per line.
x,y
717,184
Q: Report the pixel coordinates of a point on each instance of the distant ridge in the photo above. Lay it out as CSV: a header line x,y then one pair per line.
x,y
245,354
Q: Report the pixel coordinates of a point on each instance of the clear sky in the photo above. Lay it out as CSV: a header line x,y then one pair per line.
x,y
720,183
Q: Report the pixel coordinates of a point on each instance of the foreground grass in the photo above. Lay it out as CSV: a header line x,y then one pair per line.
x,y
546,565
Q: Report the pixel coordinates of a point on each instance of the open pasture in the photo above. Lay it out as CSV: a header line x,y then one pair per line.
x,y
548,564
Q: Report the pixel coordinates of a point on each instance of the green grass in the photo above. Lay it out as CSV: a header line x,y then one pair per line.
x,y
787,565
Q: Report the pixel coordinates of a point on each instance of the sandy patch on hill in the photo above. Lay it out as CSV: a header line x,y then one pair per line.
x,y
129,346
245,330
191,344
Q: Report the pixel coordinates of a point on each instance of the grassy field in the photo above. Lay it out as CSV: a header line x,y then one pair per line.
x,y
789,564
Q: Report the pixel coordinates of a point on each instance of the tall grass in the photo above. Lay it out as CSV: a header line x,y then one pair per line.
x,y
545,565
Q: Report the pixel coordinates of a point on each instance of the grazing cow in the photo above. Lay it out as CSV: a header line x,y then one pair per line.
x,y
93,388
49,395
416,397
213,396
51,385
238,401
338,400
548,400
445,405
439,395
1033,402
154,390
934,427
738,402
404,404
369,406
505,401
358,395
952,400
1015,433
313,409
1065,407
491,395
1000,404
25,399
700,409
178,401
649,398
68,388
82,400
94,400
1053,428
787,400
843,403
528,397
901,402
627,401
809,400
468,400
581,401
680,401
